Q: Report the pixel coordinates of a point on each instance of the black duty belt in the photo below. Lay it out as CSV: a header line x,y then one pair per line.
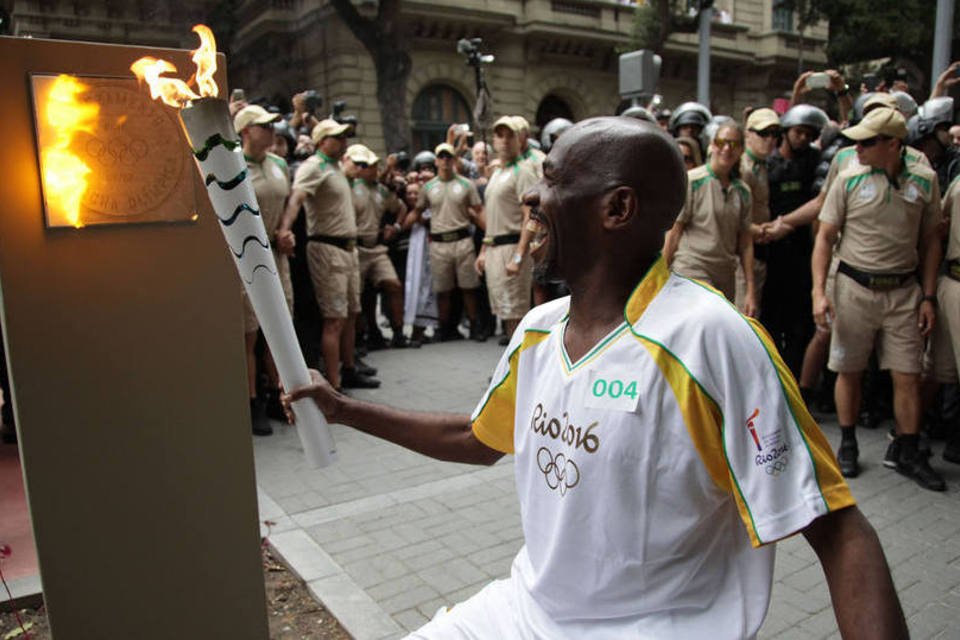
x,y
369,243
452,236
876,281
506,238
953,269
347,244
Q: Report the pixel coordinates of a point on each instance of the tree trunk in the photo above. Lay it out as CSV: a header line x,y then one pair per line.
x,y
382,36
393,71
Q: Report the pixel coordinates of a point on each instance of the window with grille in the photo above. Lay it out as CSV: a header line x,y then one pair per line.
x,y
434,110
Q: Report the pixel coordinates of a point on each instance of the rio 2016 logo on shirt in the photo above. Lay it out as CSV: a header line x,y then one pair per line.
x,y
753,429
560,472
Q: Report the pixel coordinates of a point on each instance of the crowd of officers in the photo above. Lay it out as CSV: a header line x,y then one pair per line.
x,y
358,218
834,235
838,239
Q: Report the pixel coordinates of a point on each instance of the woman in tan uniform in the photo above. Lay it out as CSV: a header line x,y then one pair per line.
x,y
712,231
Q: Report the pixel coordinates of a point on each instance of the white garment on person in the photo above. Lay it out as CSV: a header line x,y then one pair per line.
x,y
419,301
650,469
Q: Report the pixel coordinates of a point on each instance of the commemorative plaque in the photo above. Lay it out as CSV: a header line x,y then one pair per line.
x,y
109,154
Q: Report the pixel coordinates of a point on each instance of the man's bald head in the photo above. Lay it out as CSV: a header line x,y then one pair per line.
x,y
612,151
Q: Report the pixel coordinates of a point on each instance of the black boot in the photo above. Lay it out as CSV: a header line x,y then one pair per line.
x,y
273,406
258,416
353,379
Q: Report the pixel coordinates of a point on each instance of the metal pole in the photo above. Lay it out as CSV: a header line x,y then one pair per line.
x,y
703,59
941,38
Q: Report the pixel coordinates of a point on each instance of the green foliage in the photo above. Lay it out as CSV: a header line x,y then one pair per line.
x,y
867,29
656,20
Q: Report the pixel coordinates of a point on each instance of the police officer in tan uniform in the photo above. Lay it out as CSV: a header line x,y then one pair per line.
x,y
504,255
324,192
371,200
713,229
886,215
528,152
946,333
271,182
454,205
760,138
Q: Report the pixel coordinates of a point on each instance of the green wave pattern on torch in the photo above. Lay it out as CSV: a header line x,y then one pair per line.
x,y
212,143
229,184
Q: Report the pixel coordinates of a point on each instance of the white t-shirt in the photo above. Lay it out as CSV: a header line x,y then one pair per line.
x,y
650,469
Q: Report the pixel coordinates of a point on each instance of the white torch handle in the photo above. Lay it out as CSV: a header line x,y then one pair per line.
x,y
223,169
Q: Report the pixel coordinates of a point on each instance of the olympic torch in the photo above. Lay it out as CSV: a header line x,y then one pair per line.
x,y
216,147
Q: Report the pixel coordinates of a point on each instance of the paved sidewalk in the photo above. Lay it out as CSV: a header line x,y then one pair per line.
x,y
385,537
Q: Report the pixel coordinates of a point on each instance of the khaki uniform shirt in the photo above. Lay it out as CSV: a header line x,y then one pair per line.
x,y
534,157
951,209
713,218
271,183
329,205
503,196
449,202
370,202
881,222
846,158
753,172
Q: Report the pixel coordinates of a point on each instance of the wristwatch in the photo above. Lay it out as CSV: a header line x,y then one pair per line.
x,y
517,258
931,299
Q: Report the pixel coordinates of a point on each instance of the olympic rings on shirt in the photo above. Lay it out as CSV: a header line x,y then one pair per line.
x,y
778,467
560,472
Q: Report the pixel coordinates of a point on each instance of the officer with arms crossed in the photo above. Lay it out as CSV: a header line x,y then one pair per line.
x,y
371,200
661,447
886,215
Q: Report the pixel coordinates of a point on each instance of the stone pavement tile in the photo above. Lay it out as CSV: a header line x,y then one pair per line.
x,y
355,610
451,576
411,619
303,555
409,598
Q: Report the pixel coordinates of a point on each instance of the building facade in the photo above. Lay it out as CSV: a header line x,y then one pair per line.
x,y
552,57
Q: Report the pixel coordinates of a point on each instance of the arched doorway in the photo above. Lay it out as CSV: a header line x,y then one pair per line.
x,y
553,106
434,109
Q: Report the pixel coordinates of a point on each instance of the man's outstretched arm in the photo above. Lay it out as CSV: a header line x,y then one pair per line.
x,y
443,436
864,598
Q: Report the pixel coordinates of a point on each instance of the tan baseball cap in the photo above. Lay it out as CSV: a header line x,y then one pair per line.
x,y
361,153
761,119
882,121
522,124
251,115
444,147
326,128
509,122
880,99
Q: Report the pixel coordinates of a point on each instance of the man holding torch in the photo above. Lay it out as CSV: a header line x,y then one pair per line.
x,y
649,509
321,188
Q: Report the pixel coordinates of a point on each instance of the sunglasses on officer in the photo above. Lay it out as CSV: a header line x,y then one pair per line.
x,y
770,132
720,143
361,165
444,154
265,125
869,142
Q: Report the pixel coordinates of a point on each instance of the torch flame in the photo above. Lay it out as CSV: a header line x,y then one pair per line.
x,y
64,173
206,60
172,91
175,92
